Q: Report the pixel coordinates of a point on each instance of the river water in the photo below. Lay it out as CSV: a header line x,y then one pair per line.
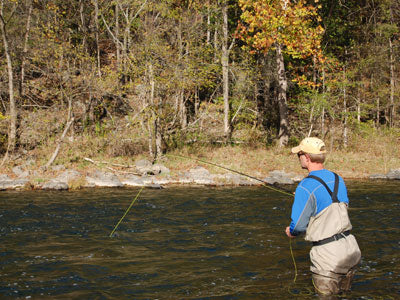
x,y
182,243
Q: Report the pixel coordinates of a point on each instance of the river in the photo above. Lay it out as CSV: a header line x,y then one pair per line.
x,y
182,243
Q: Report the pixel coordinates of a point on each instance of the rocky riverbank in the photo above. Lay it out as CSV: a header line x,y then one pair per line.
x,y
143,173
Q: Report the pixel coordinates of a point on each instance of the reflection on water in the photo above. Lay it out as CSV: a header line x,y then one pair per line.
x,y
181,243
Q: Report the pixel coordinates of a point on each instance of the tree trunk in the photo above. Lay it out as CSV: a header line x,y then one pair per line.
x,y
259,104
378,115
359,104
323,107
117,44
25,50
150,139
57,150
96,22
13,110
124,50
208,23
225,71
282,94
158,135
83,25
196,102
152,120
392,109
181,96
282,101
344,109
183,110
216,46
311,118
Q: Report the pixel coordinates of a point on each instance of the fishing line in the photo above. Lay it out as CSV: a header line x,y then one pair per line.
x,y
266,184
294,261
126,212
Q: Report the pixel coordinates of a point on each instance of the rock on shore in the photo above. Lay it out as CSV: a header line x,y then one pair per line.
x,y
393,174
147,175
6,183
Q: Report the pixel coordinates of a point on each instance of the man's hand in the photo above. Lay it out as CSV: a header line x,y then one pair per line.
x,y
288,233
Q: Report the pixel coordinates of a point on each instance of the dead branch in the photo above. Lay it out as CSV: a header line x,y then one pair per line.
x,y
99,164
53,157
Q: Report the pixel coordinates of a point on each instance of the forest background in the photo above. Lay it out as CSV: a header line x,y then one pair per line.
x,y
236,82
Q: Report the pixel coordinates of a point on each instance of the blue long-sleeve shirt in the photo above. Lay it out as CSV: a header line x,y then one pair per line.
x,y
311,198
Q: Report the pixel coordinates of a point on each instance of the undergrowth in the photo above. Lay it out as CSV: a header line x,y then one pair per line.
x,y
369,151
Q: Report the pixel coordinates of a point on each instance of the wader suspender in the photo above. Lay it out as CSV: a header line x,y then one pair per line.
x,y
335,189
334,200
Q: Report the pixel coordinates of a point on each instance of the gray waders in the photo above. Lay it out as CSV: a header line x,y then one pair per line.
x,y
335,253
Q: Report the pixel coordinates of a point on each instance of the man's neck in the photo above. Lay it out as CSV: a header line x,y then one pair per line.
x,y
315,166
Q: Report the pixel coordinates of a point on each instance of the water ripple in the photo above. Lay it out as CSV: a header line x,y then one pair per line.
x,y
181,243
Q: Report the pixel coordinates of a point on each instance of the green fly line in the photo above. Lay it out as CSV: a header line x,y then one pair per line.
x,y
126,212
294,261
266,184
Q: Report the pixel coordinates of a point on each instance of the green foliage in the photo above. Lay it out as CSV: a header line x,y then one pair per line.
x,y
99,129
242,112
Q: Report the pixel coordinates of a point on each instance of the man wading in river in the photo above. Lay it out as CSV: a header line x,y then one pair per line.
x,y
320,210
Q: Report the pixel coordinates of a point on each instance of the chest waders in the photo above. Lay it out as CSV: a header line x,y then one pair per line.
x,y
334,260
334,197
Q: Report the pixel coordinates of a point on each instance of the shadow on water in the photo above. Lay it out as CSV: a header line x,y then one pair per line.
x,y
182,243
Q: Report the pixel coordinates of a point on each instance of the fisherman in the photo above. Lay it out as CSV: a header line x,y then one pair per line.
x,y
320,210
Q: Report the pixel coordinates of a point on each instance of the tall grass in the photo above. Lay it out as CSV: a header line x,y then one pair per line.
x,y
369,151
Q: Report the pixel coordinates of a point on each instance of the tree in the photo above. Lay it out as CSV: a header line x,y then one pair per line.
x,y
13,110
225,70
25,48
289,28
362,36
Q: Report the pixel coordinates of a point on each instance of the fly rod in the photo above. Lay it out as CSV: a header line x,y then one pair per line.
x,y
266,184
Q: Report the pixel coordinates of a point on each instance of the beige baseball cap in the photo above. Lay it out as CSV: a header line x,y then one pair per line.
x,y
311,145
